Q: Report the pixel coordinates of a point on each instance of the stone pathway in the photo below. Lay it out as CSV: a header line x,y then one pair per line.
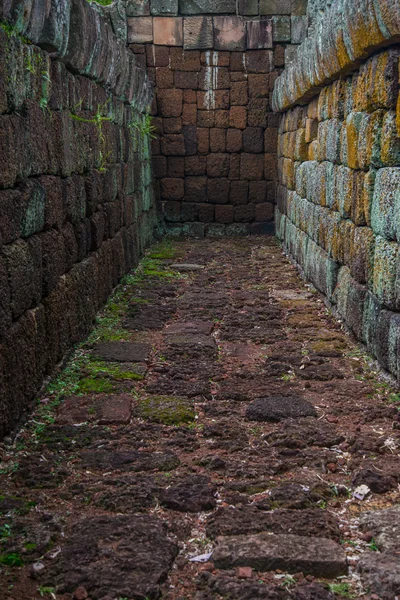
x,y
217,411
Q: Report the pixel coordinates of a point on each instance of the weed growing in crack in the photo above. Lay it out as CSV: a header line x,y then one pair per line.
x,y
341,589
98,121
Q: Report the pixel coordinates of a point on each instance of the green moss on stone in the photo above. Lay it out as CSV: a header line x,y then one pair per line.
x,y
166,410
91,385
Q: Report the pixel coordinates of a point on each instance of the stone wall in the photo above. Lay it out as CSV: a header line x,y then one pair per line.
x,y
76,202
214,64
339,168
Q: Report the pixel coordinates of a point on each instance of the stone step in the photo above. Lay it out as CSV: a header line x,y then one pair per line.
x,y
320,557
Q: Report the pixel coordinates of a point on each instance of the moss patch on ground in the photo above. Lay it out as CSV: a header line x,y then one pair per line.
x,y
167,410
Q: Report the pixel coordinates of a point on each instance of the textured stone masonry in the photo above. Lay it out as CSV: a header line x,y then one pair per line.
x,y
214,65
339,197
76,200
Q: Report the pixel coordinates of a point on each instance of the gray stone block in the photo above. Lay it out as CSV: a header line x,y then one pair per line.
x,y
290,53
281,29
275,7
248,8
199,7
137,8
298,29
164,7
299,7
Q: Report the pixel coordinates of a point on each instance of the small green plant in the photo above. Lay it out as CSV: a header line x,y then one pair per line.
x,y
98,121
341,589
288,377
288,581
372,546
143,131
11,560
101,2
46,591
5,531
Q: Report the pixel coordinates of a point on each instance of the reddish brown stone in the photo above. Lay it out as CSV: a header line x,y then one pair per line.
x,y
185,60
176,166
189,114
239,192
251,166
271,191
195,189
258,85
157,56
195,165
279,56
238,61
238,117
264,211
222,118
206,213
244,214
238,76
114,410
270,170
190,137
224,213
218,165
218,191
257,192
205,118
218,100
189,96
186,80
203,140
257,112
234,140
259,61
170,103
217,140
173,145
234,167
271,140
164,78
172,125
253,140
215,59
239,94
140,30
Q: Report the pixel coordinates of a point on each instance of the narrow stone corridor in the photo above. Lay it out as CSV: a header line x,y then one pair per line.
x,y
219,411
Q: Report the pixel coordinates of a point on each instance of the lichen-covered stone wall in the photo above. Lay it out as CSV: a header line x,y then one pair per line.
x,y
214,64
338,207
76,200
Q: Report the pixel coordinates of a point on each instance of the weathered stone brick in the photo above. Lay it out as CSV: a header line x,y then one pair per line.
x,y
258,85
186,80
218,165
275,7
218,191
168,31
244,214
222,118
172,189
203,140
173,145
239,96
248,7
264,211
137,8
229,33
298,29
170,103
253,140
198,33
281,29
217,140
238,117
234,140
257,192
185,60
164,7
213,100
206,118
198,7
172,211
259,34
195,165
23,261
189,114
257,112
164,77
176,166
224,214
239,193
251,166
140,30
206,213
195,189
385,271
172,125
259,61
390,141
189,211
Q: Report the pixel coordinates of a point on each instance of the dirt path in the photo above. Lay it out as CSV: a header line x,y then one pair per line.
x,y
220,408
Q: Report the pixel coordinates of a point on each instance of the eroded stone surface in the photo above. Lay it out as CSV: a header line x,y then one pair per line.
x,y
115,555
277,408
265,552
123,351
